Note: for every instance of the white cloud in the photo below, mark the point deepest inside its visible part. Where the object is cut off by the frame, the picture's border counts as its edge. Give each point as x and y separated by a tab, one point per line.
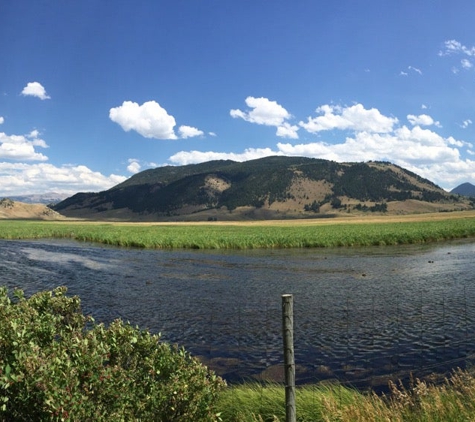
355	118
134	166
269	113
149	119
18	177
287	131
376	137
466	123
21	148
264	112
419	150
415	69
422	120
189	132
1	120
23	179
455	47
193	157
212	134
35	89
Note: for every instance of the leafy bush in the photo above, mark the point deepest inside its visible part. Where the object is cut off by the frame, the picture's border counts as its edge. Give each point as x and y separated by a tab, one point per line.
57	364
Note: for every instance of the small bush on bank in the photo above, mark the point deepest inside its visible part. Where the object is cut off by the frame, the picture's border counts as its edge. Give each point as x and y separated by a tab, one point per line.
57	364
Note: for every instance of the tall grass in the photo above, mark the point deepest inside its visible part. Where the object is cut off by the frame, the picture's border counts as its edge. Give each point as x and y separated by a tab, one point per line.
241	236
453	401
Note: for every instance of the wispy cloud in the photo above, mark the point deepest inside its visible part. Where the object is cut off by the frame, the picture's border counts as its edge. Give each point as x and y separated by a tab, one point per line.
466	123
456	47
415	69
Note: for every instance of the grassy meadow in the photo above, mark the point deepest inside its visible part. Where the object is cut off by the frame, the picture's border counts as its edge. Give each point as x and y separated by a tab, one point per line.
318	233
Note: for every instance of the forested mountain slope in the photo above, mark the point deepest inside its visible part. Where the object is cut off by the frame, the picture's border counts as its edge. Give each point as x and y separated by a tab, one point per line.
271	187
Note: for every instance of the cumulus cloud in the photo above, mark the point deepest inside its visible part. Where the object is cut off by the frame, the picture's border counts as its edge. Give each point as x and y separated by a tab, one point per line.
355	118
189	132
35	89
420	150
287	131
422	120
1	120
375	137
134	166
269	113
466	64
19	177
193	157
21	147
149	119
22	178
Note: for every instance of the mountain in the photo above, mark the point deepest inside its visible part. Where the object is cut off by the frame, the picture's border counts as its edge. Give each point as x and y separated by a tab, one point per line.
46	198
466	189
266	188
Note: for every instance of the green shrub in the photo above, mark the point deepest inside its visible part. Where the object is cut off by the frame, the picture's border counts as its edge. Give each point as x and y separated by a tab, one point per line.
57	364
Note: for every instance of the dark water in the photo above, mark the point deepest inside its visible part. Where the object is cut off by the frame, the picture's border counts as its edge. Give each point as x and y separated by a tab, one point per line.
360	315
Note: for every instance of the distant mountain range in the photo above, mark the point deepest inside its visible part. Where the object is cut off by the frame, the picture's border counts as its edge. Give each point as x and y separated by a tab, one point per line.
46	199
267	188
466	189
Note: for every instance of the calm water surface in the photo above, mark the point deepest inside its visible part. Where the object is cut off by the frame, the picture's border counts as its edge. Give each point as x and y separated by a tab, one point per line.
360	314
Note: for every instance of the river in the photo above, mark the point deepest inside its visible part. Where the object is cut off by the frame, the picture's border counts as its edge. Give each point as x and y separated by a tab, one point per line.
361	314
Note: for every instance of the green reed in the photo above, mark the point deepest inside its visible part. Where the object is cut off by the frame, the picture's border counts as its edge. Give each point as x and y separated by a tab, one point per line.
454	400
241	236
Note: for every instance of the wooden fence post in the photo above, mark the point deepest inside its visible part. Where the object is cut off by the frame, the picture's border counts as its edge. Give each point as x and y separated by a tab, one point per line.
289	360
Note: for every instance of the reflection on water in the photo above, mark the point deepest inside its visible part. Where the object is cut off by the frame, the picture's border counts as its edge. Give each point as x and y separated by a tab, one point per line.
360	314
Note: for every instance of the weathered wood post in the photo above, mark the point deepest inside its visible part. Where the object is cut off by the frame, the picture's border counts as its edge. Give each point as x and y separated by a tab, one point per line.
289	360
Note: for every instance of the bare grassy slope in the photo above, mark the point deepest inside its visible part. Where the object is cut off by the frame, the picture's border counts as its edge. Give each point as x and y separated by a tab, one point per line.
14	210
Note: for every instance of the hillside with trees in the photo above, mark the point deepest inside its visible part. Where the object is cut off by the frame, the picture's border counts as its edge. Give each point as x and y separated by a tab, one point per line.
266	188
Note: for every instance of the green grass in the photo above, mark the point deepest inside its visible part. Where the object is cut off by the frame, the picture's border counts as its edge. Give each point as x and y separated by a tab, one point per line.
243	236
422	402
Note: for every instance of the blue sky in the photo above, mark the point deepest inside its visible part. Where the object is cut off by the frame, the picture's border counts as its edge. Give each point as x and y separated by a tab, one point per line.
92	92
